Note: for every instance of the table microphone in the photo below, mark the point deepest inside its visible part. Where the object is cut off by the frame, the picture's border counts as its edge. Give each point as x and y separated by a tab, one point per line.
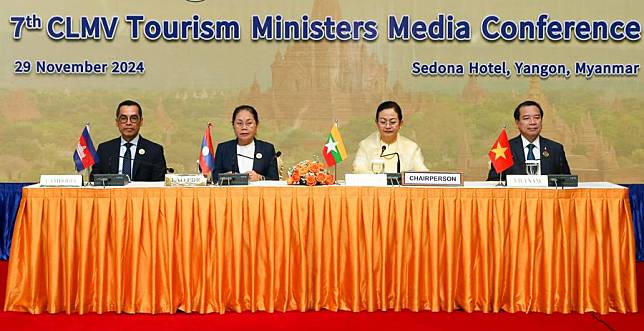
384	147
246	156
113	157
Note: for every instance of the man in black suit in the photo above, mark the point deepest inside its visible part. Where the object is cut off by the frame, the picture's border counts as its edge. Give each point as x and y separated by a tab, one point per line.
529	145
131	154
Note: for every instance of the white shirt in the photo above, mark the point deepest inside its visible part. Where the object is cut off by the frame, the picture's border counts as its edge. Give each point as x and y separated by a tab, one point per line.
245	162
134	142
370	148
536	150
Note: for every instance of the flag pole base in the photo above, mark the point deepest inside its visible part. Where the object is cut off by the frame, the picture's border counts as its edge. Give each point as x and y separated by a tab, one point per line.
335	174
501	182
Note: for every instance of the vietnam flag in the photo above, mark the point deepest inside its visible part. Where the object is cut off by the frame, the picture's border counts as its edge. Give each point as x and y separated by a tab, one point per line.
207	155
334	151
85	154
500	153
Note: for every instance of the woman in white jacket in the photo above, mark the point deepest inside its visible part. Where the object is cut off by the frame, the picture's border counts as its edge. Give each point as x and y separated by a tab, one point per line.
387	145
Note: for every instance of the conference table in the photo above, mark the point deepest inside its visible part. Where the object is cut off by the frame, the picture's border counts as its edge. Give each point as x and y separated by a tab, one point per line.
145	248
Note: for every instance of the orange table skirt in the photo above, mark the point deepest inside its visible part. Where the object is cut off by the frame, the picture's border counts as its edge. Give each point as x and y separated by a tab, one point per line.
159	250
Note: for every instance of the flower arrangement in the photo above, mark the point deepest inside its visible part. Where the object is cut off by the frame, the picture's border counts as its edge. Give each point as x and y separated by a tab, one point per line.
309	173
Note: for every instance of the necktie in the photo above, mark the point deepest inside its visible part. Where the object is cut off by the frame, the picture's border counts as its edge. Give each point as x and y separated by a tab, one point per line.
530	154
127	160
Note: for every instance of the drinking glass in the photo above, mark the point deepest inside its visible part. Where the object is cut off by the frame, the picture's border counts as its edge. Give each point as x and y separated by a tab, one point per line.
532	167
378	166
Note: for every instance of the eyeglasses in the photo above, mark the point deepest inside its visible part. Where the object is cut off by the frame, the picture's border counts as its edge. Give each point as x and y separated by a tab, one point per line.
134	119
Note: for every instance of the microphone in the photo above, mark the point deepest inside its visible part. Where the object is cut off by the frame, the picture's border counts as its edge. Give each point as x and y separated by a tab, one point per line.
277	154
555	180
114	157
246	156
391	154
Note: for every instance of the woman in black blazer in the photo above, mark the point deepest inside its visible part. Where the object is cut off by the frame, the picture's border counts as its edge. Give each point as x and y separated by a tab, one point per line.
245	154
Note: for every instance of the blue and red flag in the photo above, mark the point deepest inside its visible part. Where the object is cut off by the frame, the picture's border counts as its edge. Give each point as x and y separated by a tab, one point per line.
207	155
85	154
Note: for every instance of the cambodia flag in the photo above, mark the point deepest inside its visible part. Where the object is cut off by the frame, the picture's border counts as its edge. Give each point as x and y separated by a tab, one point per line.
85	154
500	153
207	156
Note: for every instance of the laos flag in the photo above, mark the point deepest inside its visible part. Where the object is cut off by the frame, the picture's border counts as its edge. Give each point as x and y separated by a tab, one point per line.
85	154
207	156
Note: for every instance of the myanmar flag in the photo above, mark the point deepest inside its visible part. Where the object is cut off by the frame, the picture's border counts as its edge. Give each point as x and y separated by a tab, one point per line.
334	151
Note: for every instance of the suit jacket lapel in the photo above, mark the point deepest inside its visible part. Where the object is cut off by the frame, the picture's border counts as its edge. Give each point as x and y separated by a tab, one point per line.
257	162
115	159
235	166
140	148
546	161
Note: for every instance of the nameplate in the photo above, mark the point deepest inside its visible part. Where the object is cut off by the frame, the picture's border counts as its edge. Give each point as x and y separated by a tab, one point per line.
527	180
414	178
365	179
185	180
61	180
228	179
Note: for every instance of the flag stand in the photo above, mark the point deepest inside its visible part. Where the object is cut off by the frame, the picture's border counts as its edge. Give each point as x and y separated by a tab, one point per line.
501	174
335	174
86	183
86	170
335	166
334	151
499	151
500	183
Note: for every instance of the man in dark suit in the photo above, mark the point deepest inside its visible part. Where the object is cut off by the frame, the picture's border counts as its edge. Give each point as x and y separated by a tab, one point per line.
130	154
529	145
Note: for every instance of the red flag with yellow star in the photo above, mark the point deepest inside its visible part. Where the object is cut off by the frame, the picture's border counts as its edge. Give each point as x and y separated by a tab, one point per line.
500	153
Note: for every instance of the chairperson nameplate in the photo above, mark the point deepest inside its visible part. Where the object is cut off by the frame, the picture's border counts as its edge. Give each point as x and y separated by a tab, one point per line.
419	178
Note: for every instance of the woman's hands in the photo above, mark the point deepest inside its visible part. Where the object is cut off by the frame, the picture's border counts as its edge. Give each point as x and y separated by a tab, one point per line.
253	176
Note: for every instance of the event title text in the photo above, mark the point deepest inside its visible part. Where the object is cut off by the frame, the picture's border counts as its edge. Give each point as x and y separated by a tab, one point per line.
445	27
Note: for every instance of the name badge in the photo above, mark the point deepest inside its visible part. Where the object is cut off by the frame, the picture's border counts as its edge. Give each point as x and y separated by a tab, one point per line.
432	179
61	180
527	180
185	180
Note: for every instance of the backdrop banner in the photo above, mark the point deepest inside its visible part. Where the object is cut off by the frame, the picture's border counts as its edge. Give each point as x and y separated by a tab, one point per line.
458	69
